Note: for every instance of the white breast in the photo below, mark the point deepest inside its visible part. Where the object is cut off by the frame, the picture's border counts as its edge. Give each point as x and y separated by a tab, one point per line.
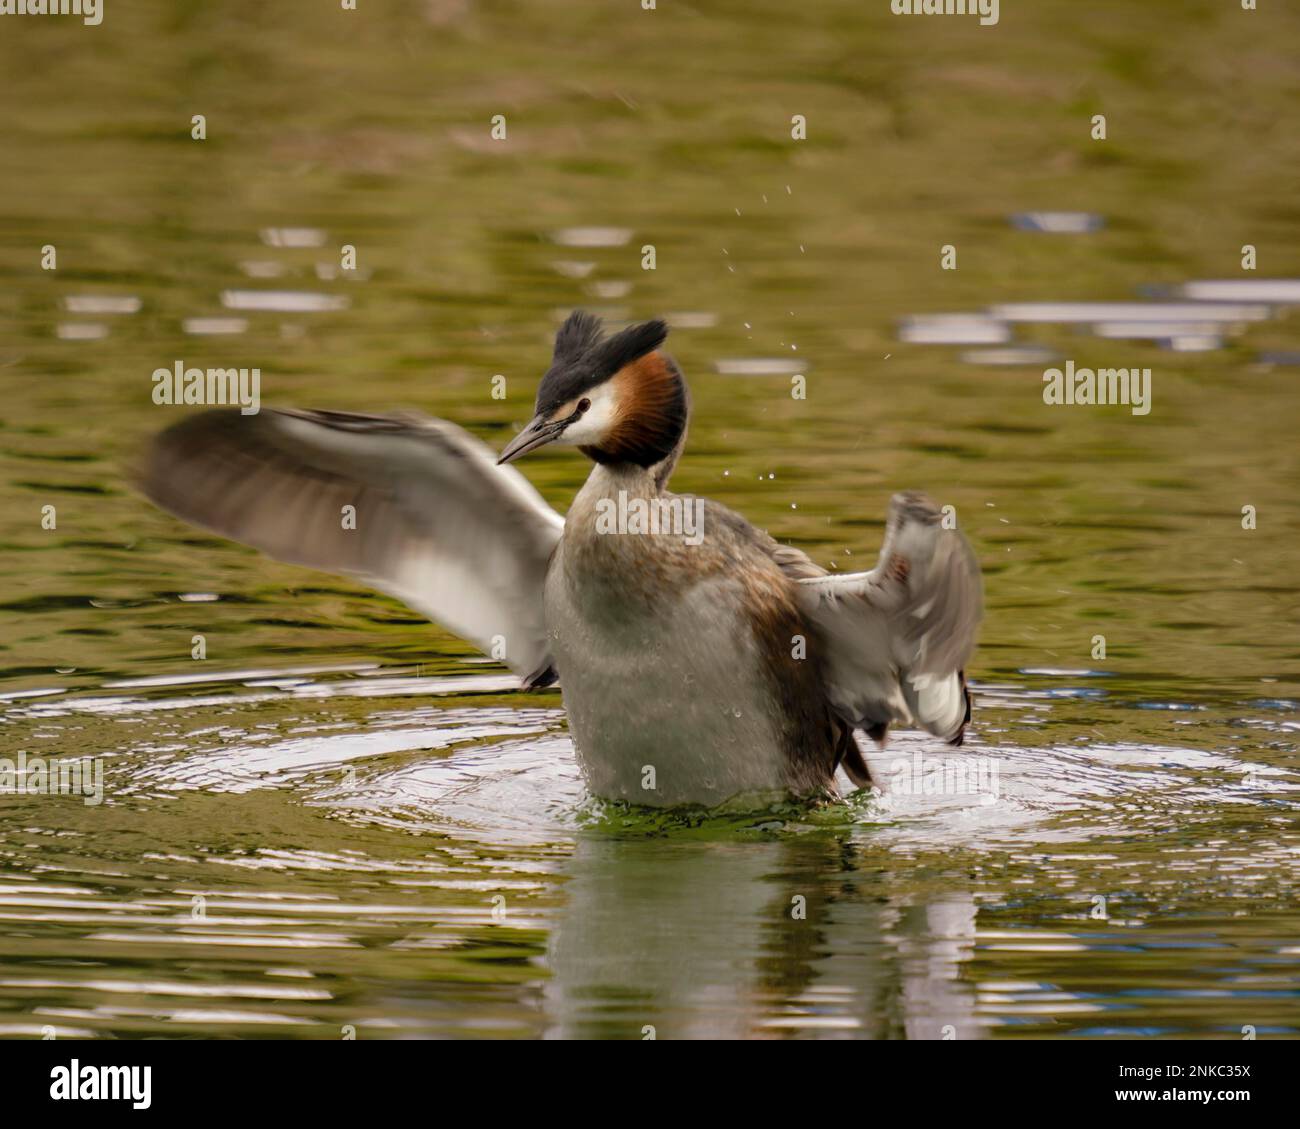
669	707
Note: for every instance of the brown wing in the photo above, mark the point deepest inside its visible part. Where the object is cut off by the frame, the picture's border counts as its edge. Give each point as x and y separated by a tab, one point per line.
432	519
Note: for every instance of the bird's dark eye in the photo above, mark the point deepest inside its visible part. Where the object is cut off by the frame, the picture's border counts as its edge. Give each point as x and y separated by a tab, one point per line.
583	405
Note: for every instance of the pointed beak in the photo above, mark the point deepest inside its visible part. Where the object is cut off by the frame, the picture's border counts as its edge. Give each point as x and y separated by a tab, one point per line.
537	434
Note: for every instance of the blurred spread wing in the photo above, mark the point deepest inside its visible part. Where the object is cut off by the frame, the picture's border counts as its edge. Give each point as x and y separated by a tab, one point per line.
437	523
898	638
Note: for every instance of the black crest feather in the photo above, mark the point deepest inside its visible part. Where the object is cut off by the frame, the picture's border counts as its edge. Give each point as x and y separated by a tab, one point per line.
583	358
577	335
627	346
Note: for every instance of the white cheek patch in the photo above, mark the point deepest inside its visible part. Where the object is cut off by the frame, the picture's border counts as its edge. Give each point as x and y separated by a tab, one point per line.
594	425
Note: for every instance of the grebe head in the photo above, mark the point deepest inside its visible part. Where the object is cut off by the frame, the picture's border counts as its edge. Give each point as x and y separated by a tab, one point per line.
618	399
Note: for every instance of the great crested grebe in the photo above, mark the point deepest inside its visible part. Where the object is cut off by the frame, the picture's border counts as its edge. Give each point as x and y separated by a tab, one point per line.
699	660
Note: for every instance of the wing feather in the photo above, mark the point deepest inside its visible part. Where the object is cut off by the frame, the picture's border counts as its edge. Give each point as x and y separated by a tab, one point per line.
898	638
437	523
